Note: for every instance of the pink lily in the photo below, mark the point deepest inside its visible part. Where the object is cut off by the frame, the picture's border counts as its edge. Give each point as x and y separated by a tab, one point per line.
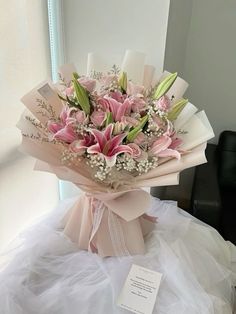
136	151
81	117
63	130
98	118
69	91
88	83
107	146
106	80
161	148
176	142
141	139
118	109
118	96
65	115
54	127
67	134
134	90
80	146
130	121
163	103
138	104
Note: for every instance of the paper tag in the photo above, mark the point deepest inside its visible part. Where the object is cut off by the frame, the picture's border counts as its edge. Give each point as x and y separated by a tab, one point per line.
140	290
46	91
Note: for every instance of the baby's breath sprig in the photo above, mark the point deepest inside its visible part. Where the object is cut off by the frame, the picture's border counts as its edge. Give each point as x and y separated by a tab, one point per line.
100	166
125	162
143	166
68	157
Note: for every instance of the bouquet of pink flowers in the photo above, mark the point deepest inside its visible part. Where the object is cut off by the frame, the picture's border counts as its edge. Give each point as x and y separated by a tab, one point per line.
111	137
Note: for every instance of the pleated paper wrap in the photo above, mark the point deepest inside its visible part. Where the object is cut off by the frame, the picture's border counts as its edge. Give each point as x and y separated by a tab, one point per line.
111	220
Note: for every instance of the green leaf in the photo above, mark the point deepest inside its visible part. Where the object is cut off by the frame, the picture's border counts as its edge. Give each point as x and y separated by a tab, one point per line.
176	109
133	133
165	85
123	81
70	102
81	95
76	75
109	118
62	98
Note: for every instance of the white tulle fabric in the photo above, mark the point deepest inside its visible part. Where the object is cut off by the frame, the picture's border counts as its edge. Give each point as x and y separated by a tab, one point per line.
48	275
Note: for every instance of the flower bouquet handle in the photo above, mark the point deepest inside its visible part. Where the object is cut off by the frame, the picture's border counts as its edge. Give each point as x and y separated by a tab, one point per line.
112	136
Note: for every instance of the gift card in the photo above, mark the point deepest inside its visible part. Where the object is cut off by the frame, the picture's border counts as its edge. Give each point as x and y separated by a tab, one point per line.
140	290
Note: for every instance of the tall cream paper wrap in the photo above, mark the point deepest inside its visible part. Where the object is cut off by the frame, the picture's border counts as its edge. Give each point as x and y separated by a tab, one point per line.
110	220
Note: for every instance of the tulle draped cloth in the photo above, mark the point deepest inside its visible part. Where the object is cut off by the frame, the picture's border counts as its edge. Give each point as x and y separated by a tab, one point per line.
47	273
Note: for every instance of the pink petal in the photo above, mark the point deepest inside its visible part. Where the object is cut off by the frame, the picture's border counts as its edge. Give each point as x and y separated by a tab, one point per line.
114	106
66	134
80	116
163	103
134	89
110	160
54	127
115	141
122	110
140	138
63	115
69	91
99	137
94	149
122	149
108	131
78	146
129	121
98	118
87	83
117	96
169	153
169	129
104	104
176	143
136	151
161	144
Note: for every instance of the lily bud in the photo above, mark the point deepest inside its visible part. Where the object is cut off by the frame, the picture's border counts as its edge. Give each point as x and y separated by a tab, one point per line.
134	133
81	95
123	81
165	85
109	118
176	109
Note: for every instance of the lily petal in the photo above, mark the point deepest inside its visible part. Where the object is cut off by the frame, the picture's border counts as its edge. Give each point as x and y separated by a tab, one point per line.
122	149
176	143
108	132
161	144
110	160
99	137
170	153
67	134
123	108
116	140
94	149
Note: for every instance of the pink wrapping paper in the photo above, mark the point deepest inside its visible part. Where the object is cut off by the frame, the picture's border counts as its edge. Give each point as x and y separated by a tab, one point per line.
110	220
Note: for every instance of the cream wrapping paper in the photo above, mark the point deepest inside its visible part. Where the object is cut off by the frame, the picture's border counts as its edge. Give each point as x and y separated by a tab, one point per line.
110	220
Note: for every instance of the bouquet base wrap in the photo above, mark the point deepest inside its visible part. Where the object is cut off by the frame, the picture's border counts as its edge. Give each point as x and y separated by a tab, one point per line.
110	224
